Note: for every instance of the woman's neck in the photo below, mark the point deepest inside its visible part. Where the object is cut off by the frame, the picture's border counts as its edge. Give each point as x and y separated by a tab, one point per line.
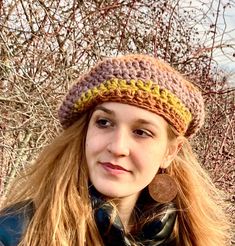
125	206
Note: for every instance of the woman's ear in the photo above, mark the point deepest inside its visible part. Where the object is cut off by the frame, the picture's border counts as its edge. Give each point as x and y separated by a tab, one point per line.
172	151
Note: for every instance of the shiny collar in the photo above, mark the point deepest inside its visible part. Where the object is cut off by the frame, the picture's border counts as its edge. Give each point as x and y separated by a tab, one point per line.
153	233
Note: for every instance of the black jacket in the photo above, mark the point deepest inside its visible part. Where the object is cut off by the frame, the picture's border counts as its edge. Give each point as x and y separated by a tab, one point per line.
15	219
13	222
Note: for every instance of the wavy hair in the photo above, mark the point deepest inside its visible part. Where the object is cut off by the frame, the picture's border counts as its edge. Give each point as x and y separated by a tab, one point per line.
57	183
201	206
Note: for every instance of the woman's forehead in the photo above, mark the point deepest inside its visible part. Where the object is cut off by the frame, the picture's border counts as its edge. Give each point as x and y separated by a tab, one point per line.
130	112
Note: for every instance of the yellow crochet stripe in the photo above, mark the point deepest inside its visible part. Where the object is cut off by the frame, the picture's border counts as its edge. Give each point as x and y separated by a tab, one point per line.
164	95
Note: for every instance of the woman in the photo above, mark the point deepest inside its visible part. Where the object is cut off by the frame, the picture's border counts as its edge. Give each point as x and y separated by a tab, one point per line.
122	172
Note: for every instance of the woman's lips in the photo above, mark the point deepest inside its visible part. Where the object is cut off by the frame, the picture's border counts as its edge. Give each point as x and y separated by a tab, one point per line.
115	169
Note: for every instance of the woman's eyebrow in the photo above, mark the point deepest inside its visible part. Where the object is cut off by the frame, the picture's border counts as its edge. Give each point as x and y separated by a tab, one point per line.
102	108
147	122
138	121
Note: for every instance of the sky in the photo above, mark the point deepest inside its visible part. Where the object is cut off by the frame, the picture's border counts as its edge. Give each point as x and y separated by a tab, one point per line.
225	25
228	61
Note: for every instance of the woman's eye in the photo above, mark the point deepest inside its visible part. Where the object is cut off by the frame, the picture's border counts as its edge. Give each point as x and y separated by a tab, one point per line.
103	123
143	133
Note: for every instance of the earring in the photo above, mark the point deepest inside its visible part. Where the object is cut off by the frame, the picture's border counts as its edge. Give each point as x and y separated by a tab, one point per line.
163	188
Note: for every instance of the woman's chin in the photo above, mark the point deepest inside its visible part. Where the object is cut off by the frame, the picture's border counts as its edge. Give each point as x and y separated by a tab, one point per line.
111	193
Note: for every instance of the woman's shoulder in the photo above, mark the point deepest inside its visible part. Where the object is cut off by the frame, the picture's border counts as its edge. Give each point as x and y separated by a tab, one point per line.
14	221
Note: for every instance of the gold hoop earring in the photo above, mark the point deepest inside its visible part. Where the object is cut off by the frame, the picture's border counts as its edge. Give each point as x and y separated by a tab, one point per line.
163	188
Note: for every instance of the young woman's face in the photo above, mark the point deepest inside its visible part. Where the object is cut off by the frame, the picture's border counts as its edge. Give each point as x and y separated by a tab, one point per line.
125	146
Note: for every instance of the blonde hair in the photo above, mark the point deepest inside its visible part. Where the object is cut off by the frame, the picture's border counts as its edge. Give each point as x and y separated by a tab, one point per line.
58	185
201	206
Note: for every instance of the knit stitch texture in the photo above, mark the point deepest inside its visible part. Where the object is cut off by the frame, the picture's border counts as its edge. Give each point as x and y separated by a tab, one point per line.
138	80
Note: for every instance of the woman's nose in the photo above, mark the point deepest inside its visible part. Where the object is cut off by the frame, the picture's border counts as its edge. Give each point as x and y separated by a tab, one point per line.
119	144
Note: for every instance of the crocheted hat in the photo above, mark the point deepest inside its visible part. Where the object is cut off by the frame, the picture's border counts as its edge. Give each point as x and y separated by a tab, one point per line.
138	80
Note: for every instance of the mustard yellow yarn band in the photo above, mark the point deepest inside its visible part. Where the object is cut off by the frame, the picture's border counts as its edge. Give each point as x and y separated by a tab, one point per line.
142	81
163	97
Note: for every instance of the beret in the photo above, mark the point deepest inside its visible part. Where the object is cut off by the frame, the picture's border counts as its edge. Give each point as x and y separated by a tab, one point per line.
138	80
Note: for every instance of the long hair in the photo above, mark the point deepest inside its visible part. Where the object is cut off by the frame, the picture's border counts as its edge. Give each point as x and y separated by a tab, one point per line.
201	218
201	206
58	185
